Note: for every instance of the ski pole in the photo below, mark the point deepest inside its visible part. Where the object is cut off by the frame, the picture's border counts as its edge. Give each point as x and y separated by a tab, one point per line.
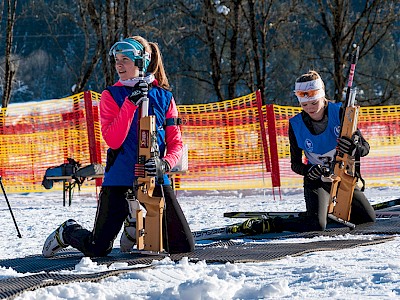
9	207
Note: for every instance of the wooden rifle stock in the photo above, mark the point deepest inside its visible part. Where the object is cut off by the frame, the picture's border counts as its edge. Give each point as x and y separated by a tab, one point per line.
344	177
149	236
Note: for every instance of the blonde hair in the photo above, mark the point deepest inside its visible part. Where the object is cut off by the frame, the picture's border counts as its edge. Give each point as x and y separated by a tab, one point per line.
156	66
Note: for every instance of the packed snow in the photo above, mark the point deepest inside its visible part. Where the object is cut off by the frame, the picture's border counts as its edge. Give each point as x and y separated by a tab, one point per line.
367	272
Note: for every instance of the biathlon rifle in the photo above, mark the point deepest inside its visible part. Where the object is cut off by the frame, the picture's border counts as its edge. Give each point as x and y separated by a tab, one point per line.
149	236
345	166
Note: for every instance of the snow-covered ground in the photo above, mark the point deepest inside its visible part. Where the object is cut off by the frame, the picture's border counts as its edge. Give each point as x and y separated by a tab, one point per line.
368	272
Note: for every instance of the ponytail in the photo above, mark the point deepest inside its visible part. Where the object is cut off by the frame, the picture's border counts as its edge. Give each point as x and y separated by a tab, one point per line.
156	66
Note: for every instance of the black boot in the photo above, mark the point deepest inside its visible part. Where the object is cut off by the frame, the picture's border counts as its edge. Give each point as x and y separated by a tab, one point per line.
257	226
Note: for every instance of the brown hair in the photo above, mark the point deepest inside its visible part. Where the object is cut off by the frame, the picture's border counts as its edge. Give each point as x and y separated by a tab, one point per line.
156	66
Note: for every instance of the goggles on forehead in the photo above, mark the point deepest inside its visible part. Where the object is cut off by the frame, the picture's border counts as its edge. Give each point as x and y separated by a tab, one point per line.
129	50
311	95
309	90
306	94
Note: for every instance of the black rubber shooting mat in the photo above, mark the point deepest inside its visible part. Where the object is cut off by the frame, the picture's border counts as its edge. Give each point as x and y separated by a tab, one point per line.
389	226
218	252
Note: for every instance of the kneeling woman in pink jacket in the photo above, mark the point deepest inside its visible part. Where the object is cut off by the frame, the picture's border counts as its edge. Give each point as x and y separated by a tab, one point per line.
119	110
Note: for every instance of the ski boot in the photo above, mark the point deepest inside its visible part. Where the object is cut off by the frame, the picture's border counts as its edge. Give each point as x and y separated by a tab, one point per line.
256	226
128	236
55	241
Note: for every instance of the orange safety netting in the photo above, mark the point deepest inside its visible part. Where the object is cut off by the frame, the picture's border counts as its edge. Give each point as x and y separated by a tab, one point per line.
225	145
39	135
233	144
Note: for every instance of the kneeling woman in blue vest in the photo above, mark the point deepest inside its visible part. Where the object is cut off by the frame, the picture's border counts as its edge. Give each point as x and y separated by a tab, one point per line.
315	132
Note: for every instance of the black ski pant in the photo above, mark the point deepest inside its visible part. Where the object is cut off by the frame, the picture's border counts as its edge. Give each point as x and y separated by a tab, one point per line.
316	196
112	210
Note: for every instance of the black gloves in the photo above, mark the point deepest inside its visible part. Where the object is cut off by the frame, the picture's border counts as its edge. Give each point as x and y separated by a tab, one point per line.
138	92
157	167
347	145
315	172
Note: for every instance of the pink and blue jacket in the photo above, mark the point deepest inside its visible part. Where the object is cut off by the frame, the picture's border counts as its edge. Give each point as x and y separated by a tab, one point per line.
119	126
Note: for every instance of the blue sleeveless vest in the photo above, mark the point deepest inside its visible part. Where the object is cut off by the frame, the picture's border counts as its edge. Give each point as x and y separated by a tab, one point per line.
319	149
122	171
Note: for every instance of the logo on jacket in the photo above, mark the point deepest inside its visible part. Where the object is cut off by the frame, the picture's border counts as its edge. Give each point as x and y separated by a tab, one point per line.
308	145
337	130
136	93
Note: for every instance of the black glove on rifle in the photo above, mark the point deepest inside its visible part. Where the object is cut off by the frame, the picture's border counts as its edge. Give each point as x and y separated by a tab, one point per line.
157	167
315	172
347	145
139	91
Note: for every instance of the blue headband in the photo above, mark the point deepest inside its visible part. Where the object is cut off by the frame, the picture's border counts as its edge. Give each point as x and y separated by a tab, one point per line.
132	49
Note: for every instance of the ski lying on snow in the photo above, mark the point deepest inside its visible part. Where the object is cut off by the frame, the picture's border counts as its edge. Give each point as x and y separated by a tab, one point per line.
261	214
220	232
255	214
387	214
386	204
266	214
233	231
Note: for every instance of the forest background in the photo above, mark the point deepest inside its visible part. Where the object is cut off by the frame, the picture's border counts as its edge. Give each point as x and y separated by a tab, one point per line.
213	50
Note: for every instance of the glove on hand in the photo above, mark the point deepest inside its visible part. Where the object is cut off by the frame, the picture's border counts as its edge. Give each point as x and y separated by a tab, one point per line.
315	172
347	146
139	91
157	167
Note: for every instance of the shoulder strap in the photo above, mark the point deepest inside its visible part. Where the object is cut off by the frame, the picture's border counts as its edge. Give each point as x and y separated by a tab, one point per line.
172	121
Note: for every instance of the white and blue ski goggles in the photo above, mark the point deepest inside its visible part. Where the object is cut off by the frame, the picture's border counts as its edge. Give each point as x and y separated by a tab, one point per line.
132	49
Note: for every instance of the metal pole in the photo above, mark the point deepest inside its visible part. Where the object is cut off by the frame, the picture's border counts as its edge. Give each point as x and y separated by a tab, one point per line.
9	207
